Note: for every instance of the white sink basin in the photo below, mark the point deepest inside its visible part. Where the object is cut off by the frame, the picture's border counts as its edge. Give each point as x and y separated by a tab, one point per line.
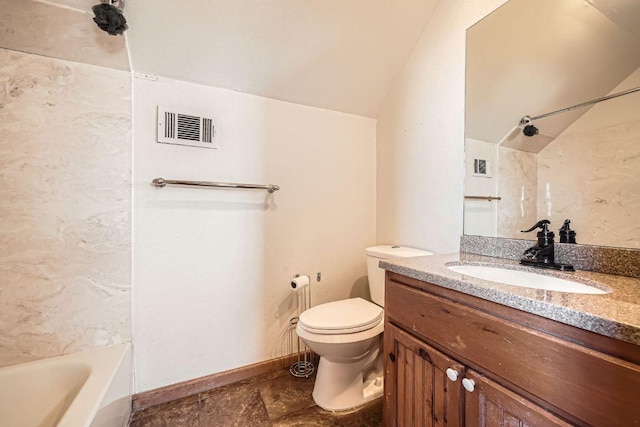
525	279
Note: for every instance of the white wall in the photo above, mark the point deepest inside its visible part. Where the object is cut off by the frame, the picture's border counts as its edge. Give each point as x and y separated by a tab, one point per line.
421	136
212	267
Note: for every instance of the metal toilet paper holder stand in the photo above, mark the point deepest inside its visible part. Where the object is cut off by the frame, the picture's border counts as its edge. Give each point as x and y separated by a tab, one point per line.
303	367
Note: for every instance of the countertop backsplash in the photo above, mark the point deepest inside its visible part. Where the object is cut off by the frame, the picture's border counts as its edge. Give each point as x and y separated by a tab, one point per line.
601	259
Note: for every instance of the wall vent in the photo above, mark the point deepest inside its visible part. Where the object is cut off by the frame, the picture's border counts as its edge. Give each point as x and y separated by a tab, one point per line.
194	130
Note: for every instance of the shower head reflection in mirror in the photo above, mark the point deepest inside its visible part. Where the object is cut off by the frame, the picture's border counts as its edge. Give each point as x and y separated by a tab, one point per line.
531	130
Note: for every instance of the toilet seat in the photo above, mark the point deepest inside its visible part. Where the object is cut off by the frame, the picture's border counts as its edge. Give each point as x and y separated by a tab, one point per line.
342	317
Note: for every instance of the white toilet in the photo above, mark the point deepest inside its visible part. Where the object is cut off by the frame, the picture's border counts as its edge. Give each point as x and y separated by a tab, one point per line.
347	335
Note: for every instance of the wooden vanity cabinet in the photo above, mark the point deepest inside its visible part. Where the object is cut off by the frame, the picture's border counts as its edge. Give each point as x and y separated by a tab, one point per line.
416	374
490	404
419	392
523	370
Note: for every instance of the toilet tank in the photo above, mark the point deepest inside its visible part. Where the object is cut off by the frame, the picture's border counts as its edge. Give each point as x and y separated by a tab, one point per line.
376	274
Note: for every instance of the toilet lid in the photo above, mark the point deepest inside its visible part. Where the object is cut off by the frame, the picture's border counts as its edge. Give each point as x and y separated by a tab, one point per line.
345	316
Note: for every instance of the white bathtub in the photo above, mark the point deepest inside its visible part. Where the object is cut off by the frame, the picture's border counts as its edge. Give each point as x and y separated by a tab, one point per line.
91	388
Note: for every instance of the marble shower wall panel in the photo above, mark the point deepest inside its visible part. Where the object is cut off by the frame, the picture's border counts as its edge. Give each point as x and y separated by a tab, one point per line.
60	32
517	185
601	195
65	207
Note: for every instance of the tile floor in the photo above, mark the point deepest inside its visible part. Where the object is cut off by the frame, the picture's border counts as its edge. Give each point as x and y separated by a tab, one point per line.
276	399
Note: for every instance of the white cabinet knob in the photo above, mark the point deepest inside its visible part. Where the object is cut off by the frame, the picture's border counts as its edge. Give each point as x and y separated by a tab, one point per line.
452	374
468	384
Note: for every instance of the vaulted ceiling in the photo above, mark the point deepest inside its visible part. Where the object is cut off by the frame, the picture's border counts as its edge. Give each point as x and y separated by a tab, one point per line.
334	54
341	55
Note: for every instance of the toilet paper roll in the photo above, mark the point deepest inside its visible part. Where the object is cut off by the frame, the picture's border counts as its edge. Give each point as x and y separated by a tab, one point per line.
299	283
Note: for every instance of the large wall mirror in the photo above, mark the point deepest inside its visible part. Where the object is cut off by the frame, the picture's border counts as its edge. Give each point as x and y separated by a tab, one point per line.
529	58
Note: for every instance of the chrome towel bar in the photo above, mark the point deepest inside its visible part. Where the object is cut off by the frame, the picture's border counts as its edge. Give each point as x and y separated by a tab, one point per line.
161	182
488	198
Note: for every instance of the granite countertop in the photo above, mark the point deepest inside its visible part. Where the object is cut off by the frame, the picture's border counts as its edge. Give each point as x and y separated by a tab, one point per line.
616	314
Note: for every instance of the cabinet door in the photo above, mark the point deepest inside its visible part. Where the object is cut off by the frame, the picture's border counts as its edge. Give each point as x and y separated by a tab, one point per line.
491	405
418	392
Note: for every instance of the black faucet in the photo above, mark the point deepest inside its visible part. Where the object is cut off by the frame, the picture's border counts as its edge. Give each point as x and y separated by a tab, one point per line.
542	254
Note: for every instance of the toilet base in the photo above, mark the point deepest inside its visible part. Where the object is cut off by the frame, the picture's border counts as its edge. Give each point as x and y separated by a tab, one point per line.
344	386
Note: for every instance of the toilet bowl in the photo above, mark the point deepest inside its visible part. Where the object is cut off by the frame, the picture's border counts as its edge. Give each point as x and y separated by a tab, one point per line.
347	335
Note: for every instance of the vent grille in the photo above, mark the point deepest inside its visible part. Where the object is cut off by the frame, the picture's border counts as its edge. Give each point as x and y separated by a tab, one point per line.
185	129
169	125
188	127
207	130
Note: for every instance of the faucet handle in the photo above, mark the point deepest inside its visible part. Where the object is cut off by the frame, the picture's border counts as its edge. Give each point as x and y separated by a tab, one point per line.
567	235
544	224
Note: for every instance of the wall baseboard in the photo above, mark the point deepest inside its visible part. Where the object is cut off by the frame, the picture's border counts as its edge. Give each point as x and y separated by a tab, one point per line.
171	392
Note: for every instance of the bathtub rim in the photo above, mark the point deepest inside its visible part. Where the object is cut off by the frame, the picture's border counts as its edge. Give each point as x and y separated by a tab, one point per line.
104	364
90	398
